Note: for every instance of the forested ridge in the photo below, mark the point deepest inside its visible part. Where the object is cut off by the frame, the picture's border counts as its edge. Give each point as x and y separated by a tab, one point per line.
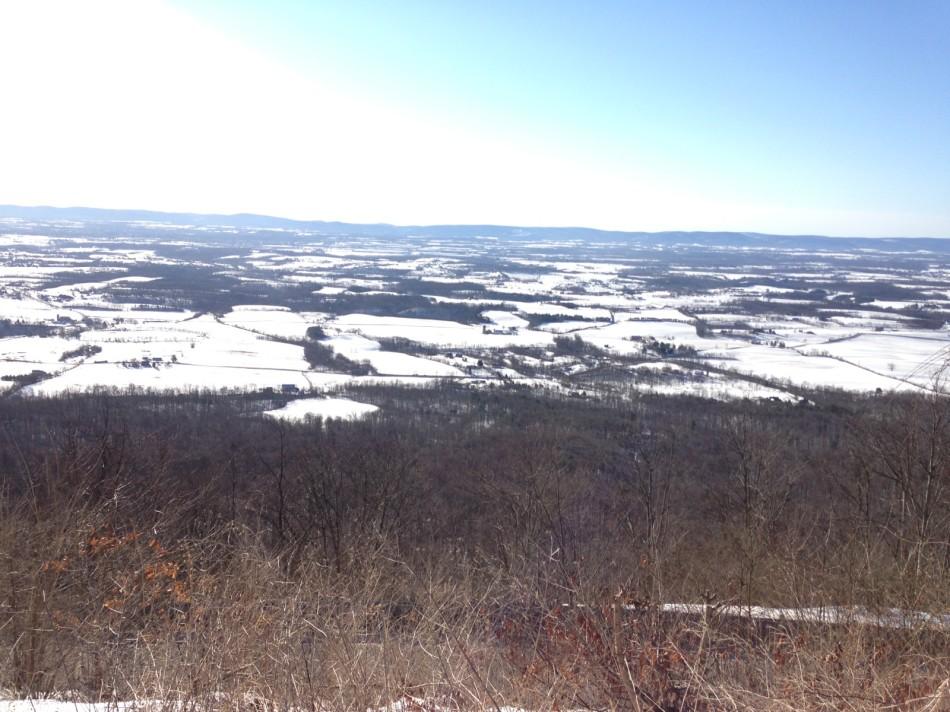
474	549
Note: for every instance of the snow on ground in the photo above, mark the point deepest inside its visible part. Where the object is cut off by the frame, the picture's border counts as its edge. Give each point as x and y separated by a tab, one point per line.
303	408
619	337
886	304
505	319
805	335
886	321
662	313
599	269
133	313
167	377
761	289
33	311
682	380
449	334
791	366
280	322
911	357
300	263
359	348
23	240
195	353
888	618
714	386
663	299
530	308
560	310
201	341
763	321
35	348
74	290
47	705
10	369
564	327
34	272
610	301
533	284
609	298
660	366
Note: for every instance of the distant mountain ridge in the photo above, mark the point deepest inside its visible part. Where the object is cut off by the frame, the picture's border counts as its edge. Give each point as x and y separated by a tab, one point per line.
249	221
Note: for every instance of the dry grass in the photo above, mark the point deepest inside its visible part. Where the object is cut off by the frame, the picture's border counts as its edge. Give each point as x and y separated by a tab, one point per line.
107	613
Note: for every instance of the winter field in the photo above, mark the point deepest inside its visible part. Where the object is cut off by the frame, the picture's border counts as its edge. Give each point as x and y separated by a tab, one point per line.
87	305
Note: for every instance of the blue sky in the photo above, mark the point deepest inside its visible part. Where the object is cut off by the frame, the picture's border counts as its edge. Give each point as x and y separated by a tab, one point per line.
820	117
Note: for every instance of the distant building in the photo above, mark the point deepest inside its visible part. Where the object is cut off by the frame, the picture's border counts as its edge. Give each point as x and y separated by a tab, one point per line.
496	329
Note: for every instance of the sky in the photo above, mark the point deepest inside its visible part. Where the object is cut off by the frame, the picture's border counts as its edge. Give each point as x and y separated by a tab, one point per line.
782	117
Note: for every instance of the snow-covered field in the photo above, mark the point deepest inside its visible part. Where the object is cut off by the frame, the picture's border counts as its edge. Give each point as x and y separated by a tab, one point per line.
303	408
359	348
172	308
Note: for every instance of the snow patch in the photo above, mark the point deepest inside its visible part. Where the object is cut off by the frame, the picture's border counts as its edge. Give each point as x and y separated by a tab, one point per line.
326	408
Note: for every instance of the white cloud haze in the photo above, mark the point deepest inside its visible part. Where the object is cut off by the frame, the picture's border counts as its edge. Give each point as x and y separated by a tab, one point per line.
135	104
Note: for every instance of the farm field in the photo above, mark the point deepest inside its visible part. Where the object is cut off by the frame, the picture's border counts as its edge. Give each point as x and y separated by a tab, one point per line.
307	308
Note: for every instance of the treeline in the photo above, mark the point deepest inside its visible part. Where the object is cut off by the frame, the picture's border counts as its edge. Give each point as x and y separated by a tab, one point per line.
186	543
208	288
10	327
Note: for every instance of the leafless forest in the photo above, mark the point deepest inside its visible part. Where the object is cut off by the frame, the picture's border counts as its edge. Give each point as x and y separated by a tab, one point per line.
477	549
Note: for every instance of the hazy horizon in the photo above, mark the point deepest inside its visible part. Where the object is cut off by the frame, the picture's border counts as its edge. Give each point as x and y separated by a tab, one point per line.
468	225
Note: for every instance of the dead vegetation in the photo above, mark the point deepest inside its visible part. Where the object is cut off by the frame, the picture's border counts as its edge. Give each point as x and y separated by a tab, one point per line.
177	553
